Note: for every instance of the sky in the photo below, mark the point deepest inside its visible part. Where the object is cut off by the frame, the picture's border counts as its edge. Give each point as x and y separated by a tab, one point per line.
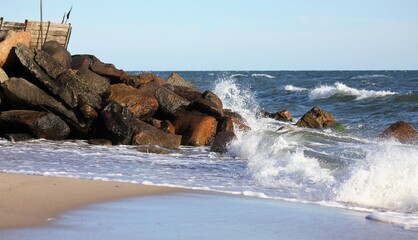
176	35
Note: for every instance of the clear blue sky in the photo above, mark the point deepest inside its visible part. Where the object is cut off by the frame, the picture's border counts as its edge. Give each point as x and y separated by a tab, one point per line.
237	35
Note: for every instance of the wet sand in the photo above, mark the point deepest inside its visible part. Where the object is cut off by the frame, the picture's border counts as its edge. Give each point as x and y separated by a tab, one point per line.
36	200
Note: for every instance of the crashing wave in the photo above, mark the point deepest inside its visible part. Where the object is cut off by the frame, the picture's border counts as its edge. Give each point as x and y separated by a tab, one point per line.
262	75
327	91
292	88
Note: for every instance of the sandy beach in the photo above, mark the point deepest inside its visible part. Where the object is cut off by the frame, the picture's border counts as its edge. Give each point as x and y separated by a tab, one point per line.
34	200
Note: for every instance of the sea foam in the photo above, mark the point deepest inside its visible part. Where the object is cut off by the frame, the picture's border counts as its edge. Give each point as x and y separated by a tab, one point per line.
262	75
292	88
386	179
327	91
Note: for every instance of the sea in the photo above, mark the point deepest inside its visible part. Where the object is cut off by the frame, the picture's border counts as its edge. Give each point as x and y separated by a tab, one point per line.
348	168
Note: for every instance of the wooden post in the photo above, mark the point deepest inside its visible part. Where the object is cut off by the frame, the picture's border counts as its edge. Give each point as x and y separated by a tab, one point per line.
42	34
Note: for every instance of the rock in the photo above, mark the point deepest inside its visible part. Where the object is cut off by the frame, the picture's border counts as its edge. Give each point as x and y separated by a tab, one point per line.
94	82
206	106
212	97
40	124
196	128
187	93
284	116
149	135
119	122
265	114
402	131
100	142
12	40
65	84
19	137
176	80
58	52
141	104
143	78
221	141
238	121
3	76
88	112
226	124
23	94
316	118
168	102
164	125
107	70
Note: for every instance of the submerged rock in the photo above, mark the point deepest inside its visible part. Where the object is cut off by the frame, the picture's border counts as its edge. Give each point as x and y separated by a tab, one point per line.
317	118
147	134
402	131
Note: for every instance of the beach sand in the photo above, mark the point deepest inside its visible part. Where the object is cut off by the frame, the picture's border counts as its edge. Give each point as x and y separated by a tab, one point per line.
27	200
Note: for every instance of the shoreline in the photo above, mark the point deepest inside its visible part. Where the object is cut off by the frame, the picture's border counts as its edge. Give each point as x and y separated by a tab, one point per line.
28	200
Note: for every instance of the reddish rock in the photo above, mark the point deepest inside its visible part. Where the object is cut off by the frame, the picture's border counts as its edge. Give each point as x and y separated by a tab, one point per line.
143	78
238	121
88	112
196	128
176	80
40	124
168	102
317	118
402	131
226	124
221	141
141	104
284	116
58	52
164	125
11	40
149	135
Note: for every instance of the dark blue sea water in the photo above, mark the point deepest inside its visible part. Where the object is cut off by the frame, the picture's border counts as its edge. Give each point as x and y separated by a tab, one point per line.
350	169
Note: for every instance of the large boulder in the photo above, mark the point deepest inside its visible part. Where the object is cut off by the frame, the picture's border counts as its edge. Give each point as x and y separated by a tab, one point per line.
136	80
119	123
402	131
149	135
103	69
168	102
208	107
238	121
39	124
196	128
317	118
187	93
94	82
58	52
221	141
212	97
176	80
23	94
11	40
142	105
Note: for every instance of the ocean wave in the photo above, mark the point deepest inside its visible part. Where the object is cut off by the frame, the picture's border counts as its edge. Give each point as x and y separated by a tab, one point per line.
292	88
385	179
262	75
238	75
327	91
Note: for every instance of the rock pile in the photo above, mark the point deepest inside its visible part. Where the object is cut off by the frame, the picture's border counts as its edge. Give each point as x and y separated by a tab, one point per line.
50	94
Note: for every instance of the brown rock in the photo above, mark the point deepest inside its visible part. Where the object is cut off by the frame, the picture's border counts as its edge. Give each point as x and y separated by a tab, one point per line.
238	121
164	125
226	125
143	78
149	135
317	118
221	141
208	107
79	62
196	128
58	52
176	80
402	131
88	112
40	124
284	116
212	97
168	102
12	39
141	104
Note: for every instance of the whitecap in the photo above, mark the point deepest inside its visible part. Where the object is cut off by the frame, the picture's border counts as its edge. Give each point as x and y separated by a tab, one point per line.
292	88
327	91
262	75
